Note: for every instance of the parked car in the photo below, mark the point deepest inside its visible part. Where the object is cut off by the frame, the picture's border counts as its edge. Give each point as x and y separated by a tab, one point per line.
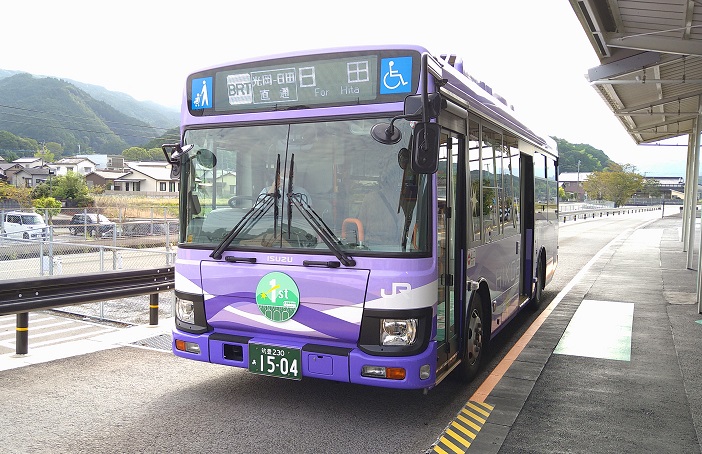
18	224
96	225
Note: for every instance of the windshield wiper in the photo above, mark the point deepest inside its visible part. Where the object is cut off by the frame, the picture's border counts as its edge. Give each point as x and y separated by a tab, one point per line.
276	196
314	220
263	203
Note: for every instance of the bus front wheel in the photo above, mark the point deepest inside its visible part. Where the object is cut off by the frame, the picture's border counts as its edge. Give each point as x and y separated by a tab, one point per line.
475	342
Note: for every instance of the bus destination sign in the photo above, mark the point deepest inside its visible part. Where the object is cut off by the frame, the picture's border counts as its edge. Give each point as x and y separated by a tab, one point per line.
331	81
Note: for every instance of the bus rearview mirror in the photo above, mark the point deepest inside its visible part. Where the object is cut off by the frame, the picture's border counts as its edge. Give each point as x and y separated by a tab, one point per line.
425	148
414	105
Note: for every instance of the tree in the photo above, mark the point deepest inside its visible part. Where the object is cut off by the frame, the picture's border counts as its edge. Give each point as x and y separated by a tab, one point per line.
616	183
55	148
9	141
652	187
50	204
11	156
72	187
591	159
136	154
155	154
20	195
46	155
142	154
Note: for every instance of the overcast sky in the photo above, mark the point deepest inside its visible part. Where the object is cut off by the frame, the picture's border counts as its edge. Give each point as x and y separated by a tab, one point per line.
535	54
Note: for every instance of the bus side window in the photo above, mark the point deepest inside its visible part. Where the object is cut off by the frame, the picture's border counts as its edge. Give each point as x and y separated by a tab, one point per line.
474	190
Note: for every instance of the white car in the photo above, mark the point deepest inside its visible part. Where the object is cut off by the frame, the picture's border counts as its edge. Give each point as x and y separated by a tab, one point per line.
17	224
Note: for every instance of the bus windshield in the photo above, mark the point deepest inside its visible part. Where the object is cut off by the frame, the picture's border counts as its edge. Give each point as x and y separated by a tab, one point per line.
297	186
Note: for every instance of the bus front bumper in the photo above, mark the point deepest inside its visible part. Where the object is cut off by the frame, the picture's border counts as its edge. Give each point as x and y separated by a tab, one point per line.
327	362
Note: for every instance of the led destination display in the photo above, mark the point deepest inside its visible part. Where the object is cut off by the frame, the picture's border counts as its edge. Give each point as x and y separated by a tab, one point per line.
341	80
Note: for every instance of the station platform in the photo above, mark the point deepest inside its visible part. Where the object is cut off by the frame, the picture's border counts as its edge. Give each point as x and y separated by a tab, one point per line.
615	365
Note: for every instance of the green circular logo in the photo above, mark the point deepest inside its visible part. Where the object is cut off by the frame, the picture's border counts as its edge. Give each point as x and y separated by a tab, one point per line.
277	297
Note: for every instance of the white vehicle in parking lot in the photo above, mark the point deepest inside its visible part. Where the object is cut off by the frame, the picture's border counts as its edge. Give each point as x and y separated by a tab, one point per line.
17	224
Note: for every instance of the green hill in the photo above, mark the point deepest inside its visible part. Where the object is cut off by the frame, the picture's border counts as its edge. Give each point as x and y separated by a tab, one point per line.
591	159
51	110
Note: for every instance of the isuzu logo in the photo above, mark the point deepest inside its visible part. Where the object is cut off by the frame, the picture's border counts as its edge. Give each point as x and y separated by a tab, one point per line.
279	259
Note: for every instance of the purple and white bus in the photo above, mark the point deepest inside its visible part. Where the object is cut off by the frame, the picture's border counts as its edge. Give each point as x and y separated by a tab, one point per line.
369	215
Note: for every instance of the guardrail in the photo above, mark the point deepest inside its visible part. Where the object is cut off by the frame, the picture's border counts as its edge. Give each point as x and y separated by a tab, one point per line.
21	296
604	212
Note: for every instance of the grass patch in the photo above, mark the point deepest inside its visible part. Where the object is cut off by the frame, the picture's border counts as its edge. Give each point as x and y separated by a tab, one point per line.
123	207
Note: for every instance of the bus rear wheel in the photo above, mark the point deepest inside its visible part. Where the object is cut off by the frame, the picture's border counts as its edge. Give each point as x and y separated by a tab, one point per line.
475	342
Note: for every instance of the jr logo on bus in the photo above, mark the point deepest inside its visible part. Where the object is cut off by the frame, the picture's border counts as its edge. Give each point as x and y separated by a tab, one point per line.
277	297
395	75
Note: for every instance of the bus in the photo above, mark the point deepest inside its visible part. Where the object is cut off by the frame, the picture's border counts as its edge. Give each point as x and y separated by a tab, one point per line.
369	215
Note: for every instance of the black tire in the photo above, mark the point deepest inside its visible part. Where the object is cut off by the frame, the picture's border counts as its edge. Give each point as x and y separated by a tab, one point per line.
73	231
475	343
538	296
25	236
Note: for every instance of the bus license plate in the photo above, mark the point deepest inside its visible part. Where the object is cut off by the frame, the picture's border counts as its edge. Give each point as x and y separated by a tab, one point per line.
275	361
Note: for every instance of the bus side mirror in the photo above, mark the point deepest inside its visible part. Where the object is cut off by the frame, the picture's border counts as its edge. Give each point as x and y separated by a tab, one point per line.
414	105
174	156
425	148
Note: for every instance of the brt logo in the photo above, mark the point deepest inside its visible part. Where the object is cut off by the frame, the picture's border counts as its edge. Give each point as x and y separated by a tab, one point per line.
277	297
240	89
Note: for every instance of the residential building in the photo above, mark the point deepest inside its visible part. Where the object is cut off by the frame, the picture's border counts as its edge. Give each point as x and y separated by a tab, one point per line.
116	162
111	180
7	169
82	166
28	177
151	177
572	182
100	160
29	162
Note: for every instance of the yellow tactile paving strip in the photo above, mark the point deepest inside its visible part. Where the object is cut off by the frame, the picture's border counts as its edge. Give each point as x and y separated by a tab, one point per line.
461	432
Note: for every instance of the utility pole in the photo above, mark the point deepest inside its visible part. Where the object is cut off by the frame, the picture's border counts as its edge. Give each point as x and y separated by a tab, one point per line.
578	180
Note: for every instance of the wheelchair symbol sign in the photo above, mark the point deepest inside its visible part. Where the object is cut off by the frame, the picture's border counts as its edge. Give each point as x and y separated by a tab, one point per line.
396	75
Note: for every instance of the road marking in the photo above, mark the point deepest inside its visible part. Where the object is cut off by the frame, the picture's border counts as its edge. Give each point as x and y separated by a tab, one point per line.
494	378
599	329
53	330
13	321
461	432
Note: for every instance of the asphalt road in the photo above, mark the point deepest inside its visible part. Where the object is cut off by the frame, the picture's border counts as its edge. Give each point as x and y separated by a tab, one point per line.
130	399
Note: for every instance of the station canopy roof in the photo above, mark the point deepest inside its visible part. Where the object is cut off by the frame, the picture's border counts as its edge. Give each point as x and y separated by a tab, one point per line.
650	72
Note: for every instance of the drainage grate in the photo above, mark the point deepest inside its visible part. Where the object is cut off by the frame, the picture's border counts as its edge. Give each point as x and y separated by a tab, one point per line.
160	342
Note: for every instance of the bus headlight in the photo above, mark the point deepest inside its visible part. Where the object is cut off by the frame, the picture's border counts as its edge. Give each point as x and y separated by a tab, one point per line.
185	310
398	331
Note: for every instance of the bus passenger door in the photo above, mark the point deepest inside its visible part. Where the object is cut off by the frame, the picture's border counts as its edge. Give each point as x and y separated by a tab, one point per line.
447	251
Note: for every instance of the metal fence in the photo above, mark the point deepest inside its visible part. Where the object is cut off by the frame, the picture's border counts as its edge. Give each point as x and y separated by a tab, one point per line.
52	256
136	238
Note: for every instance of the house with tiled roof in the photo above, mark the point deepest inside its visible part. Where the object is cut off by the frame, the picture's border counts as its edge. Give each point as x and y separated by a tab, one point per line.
82	166
153	178
29	162
28	177
111	180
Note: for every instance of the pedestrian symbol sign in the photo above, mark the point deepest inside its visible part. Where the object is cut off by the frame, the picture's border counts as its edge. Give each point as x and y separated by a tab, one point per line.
201	93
